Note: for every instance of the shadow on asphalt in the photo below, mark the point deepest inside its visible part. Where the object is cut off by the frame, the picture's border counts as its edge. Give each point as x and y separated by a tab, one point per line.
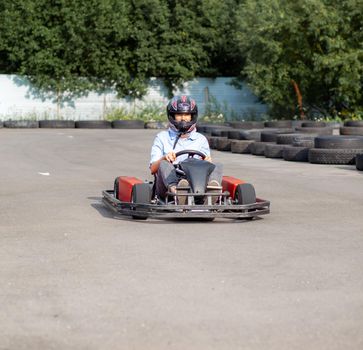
106	213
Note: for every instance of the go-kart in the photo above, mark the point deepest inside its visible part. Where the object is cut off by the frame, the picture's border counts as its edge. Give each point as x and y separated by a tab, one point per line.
235	199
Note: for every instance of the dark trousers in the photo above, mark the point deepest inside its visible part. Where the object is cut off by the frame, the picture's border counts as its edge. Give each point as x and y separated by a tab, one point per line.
167	176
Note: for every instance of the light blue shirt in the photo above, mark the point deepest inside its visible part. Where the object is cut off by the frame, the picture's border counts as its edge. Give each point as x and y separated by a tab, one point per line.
164	142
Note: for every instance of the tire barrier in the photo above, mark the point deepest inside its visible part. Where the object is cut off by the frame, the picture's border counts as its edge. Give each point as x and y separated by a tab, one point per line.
57	124
354	123
320	131
275	150
93	124
333	156
351	130
128	124
279	124
296	154
158	125
359	161
247	125
32	124
241	146
339	141
223	144
244	135
258	148
313	124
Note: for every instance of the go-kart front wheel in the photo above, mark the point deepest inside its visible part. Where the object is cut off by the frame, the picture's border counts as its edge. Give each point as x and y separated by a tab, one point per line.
141	194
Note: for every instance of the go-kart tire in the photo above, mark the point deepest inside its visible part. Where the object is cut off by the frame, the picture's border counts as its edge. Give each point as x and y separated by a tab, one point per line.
351	130
128	124
274	150
296	154
278	124
141	194
57	124
93	124
312	124
116	188
245	194
355	123
333	156
339	141
223	144
359	161
258	148
241	146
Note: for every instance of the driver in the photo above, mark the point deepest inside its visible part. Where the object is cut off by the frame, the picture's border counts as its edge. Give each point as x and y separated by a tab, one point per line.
182	112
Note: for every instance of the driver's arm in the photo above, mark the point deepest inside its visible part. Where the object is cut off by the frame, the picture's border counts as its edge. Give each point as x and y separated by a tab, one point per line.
170	157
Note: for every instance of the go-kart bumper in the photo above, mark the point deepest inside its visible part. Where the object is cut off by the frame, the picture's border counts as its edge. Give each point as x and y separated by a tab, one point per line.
174	211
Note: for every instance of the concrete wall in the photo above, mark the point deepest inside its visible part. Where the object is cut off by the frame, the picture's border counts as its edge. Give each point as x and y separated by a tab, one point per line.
19	101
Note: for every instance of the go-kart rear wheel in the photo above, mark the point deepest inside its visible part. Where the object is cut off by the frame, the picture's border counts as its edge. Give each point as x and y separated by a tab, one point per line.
141	194
116	188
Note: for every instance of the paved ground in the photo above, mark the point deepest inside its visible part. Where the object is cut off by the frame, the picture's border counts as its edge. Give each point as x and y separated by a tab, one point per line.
75	277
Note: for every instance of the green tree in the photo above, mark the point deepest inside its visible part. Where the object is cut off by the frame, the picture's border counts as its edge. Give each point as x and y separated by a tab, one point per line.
315	43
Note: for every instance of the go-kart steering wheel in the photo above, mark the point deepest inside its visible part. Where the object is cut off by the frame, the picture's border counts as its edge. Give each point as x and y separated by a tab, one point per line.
191	153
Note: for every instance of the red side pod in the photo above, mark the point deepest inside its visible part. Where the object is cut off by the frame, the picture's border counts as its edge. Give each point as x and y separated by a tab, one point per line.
230	184
125	184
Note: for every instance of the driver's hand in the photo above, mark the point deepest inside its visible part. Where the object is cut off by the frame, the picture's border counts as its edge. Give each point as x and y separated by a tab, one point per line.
170	157
208	159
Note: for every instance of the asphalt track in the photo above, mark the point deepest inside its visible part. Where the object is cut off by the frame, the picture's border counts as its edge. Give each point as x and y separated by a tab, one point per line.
73	276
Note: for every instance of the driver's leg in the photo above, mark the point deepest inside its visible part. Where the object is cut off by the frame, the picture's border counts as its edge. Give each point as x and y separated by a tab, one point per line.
166	177
215	180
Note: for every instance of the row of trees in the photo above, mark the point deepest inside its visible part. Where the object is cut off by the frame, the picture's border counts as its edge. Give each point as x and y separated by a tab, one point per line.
69	47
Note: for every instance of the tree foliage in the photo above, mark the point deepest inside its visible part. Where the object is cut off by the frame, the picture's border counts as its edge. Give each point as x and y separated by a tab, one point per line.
316	43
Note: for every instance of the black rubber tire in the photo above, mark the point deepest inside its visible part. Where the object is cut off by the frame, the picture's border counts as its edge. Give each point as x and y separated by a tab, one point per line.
241	146
258	148
271	136
359	161
93	124
339	141
355	123
244	135
22	124
312	124
278	124
245	194
274	150
141	194
218	132
333	156
156	125
116	187
209	128
319	131
57	124
351	130
223	144
304	143
213	141
128	124
247	125
288	139
1	124
296	154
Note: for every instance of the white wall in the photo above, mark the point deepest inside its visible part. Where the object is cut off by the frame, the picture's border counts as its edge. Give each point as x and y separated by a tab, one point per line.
18	101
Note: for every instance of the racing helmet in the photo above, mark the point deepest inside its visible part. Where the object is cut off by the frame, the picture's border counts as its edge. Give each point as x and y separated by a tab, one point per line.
182	105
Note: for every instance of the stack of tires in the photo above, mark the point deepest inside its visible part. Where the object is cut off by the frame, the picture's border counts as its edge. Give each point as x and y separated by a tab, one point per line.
352	127
299	150
336	149
315	127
